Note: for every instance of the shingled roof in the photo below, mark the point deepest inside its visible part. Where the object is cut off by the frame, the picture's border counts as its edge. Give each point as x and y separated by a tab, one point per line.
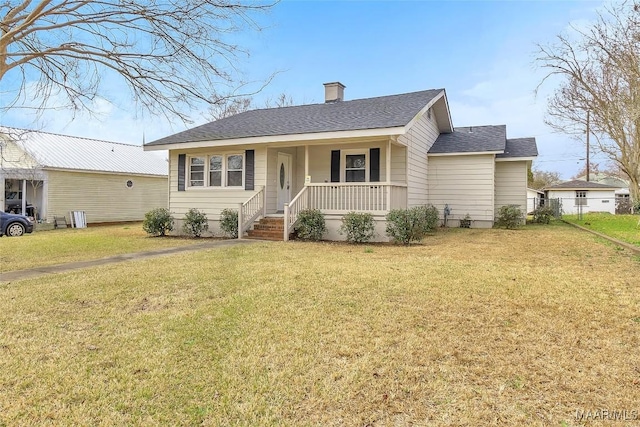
370	113
579	184
519	147
472	139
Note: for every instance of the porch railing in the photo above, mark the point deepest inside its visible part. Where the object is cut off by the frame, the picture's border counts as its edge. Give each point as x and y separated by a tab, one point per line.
249	211
340	198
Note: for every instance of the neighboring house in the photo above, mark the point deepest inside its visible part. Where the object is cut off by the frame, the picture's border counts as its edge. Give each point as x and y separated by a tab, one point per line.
47	175
579	196
621	184
366	155
534	199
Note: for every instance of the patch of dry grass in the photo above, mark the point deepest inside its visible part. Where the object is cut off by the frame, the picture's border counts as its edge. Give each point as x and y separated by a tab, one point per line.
78	244
475	327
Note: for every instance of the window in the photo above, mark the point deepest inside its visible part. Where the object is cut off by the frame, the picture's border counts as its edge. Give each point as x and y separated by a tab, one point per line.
234	170
581	198
356	164
196	172
216	170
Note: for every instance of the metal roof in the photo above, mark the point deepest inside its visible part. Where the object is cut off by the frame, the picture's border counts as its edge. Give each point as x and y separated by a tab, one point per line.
69	152
359	114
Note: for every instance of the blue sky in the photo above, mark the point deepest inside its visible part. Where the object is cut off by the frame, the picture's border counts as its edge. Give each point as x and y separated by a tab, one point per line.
481	52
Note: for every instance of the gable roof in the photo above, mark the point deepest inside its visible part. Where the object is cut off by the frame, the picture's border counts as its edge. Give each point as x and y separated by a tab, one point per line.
360	114
578	184
519	147
68	152
471	139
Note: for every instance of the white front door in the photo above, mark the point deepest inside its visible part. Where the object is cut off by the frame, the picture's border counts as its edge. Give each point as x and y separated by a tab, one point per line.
283	180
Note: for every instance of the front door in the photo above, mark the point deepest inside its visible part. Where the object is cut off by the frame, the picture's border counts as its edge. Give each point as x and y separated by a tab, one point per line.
283	180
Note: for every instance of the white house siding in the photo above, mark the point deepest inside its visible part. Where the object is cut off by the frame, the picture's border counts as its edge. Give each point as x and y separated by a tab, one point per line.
104	197
212	200
511	184
419	140
398	164
597	201
466	184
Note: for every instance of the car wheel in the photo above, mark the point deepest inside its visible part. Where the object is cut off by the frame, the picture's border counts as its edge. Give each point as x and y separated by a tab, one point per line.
16	229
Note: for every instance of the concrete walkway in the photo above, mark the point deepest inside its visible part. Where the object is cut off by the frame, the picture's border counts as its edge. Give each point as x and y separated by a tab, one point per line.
62	268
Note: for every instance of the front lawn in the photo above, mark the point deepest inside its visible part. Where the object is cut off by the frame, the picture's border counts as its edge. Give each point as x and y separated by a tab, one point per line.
474	327
621	227
44	248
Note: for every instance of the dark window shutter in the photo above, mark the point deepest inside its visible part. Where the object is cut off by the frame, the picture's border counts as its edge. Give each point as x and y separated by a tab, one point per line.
249	174
182	161
335	165
374	165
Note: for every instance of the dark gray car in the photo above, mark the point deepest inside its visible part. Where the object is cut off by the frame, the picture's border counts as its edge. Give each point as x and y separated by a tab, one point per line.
14	225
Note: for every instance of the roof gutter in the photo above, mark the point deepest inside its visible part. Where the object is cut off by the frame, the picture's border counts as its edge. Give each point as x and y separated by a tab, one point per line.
361	133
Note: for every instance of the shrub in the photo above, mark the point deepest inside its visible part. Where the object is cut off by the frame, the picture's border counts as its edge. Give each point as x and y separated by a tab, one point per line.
466	221
358	227
411	225
158	222
310	224
195	223
636	207
543	215
229	223
509	216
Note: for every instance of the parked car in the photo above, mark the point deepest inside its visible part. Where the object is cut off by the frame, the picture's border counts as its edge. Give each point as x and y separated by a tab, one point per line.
14	225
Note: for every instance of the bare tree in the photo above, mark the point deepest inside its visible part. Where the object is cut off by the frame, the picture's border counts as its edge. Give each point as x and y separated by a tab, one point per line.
599	70
542	179
235	105
172	55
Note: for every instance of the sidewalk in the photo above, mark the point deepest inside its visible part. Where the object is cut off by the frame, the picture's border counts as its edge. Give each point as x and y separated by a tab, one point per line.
62	268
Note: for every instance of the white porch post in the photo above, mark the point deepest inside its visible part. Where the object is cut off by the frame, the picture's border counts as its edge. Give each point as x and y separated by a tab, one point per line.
44	200
24	197
388	174
306	162
286	222
240	221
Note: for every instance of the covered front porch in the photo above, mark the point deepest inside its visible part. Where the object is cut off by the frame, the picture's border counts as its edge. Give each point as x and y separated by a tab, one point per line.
366	176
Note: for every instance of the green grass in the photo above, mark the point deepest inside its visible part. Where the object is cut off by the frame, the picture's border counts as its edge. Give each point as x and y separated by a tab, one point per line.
474	327
78	244
622	227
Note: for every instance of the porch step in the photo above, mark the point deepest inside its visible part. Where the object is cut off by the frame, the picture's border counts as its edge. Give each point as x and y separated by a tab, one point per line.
268	229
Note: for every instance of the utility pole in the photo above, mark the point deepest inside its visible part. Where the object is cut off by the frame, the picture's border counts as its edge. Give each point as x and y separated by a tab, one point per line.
588	166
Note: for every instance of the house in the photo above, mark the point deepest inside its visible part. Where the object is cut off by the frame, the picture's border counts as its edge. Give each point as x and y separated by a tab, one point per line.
47	175
579	196
367	155
534	199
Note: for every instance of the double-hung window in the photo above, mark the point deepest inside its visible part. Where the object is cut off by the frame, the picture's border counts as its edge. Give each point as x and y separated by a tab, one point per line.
355	166
216	170
581	198
196	172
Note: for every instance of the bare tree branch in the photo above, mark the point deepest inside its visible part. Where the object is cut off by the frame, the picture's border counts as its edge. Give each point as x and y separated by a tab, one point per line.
173	55
600	71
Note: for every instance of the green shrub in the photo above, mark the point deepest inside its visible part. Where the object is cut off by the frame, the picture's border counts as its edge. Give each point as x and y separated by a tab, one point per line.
229	223
195	223
509	216
158	222
358	227
636	207
543	214
466	221
411	225
310	224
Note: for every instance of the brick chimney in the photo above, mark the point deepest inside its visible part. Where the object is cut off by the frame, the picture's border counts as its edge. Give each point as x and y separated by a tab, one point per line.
333	92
